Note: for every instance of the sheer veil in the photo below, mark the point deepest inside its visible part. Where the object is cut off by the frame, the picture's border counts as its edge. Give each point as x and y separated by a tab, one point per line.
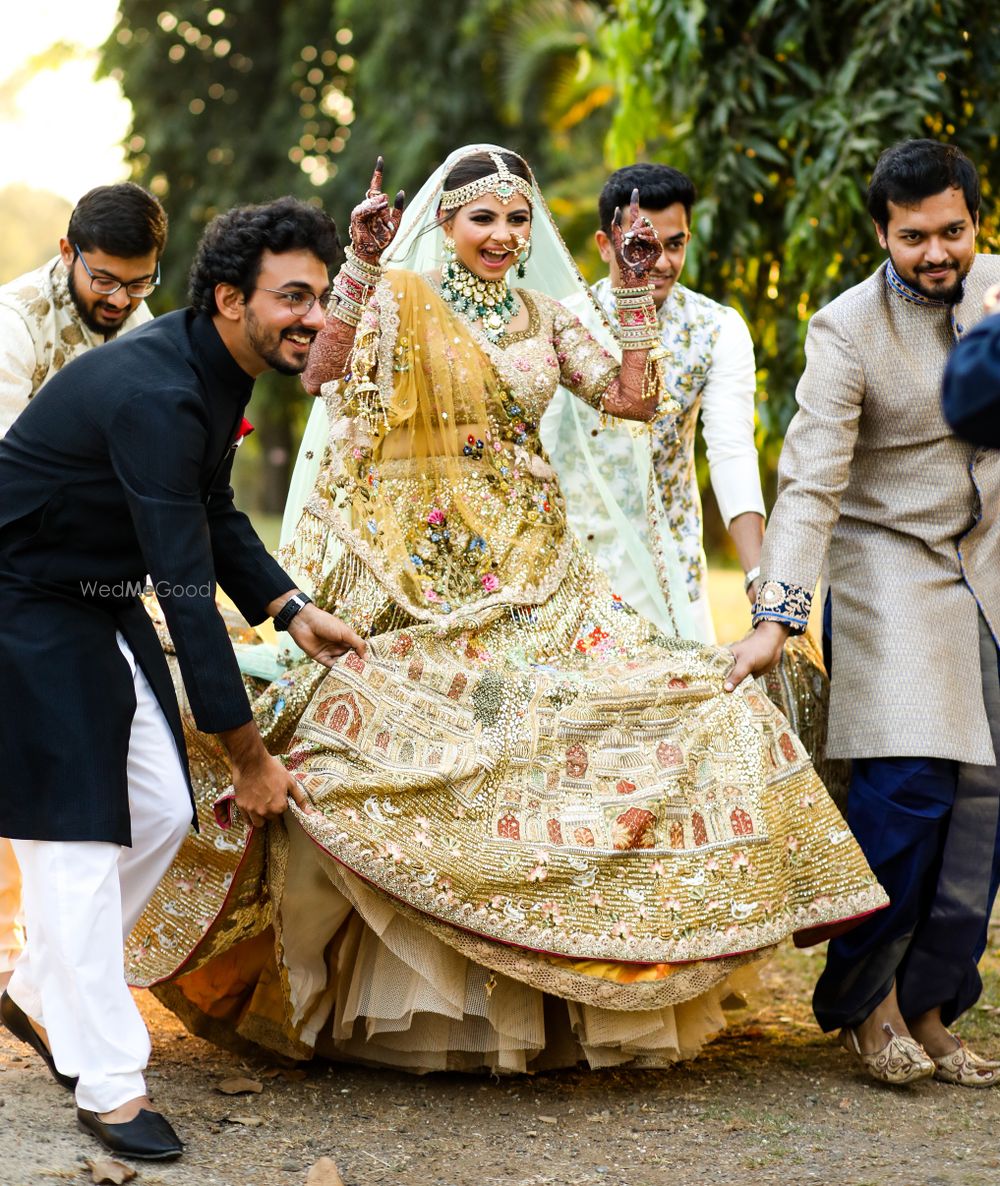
419	247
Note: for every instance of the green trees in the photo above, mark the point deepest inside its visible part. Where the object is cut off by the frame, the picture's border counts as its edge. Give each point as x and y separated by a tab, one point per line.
236	101
778	109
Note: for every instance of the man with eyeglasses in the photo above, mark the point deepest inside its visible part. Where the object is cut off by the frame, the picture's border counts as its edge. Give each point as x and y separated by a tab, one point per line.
93	290
121	467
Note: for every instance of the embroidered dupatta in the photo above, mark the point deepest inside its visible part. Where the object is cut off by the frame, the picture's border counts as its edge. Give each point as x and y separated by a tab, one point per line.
434	476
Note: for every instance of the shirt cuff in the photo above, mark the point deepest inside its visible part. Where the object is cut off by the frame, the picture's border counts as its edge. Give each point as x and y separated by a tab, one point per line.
781	601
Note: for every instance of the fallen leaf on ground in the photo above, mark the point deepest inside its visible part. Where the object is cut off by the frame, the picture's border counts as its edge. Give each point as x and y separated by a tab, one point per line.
546	1120
324	1173
240	1086
246	1121
295	1075
106	1169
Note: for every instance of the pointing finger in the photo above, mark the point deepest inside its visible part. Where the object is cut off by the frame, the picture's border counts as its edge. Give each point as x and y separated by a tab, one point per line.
633	207
376	181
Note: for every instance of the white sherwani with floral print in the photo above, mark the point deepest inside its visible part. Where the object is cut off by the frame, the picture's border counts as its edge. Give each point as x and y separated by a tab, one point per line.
41	331
709	369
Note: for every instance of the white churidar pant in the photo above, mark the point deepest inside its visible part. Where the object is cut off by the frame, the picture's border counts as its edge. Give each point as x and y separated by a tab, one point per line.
81	899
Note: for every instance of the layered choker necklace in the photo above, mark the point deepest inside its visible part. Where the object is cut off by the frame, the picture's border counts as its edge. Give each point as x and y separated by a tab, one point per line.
490	302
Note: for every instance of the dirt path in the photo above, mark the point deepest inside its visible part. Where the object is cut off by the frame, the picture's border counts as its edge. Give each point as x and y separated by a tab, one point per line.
772	1101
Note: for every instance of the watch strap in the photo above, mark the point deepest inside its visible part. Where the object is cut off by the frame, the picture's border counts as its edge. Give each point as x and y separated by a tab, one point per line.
297	601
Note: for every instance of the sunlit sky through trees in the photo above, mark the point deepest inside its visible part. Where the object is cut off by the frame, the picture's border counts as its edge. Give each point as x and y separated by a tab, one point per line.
60	129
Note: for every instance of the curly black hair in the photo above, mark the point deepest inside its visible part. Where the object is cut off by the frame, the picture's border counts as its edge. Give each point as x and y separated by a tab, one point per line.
233	243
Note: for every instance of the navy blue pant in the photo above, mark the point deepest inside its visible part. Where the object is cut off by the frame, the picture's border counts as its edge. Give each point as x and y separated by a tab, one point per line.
929	829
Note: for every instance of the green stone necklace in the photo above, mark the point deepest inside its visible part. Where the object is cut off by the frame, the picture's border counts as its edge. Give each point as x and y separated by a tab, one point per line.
489	302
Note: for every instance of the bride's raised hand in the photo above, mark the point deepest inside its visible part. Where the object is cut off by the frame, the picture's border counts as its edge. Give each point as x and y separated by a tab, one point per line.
636	249
374	222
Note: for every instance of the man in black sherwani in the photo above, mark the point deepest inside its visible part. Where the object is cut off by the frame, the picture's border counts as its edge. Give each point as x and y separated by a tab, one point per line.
121	467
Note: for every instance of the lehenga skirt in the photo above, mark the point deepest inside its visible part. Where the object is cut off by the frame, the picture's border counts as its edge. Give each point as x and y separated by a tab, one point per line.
542	836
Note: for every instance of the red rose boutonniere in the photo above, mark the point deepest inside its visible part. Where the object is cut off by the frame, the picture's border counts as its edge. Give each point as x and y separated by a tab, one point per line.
244	430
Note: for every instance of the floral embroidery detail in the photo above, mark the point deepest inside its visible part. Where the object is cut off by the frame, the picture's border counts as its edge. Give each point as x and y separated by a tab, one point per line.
43	302
741	862
690	324
780	601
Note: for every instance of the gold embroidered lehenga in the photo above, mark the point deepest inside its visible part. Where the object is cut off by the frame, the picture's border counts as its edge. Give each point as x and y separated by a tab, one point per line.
544	834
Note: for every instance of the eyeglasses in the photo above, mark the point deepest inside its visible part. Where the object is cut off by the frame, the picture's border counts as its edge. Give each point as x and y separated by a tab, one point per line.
299	303
108	285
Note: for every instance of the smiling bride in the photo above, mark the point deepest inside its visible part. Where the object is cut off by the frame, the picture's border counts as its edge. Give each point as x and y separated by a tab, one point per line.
542	833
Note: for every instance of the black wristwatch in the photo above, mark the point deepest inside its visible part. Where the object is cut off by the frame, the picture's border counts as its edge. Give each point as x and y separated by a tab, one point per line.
283	618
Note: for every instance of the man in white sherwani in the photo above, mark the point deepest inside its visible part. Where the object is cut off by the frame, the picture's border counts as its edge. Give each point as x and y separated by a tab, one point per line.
872	478
89	293
632	495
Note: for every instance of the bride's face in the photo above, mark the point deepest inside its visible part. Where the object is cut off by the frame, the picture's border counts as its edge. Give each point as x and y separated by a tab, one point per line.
488	235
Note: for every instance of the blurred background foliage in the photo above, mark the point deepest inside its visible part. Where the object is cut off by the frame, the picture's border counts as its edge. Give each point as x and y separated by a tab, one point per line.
776	108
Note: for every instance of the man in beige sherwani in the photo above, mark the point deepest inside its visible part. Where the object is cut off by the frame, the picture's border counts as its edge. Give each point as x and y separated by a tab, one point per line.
86	295
908	517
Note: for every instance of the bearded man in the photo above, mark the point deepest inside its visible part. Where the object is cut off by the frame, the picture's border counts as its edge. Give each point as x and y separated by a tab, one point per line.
92	291
119	468
907	512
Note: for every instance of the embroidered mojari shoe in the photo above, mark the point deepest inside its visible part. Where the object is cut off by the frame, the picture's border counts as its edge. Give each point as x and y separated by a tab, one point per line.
966	1069
900	1061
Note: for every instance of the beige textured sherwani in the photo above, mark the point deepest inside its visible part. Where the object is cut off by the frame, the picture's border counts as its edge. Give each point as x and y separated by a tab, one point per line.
871	477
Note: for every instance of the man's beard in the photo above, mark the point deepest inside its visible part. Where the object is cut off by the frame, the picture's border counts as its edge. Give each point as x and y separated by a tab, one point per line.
268	345
947	296
89	315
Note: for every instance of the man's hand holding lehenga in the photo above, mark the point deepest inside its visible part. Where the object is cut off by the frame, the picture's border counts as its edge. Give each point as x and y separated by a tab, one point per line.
262	787
374	224
757	654
324	637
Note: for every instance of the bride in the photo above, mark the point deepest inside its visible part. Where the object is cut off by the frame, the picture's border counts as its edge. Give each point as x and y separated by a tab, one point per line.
541	831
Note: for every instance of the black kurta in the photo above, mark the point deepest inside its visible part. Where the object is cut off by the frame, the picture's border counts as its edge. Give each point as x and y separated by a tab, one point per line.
119	467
